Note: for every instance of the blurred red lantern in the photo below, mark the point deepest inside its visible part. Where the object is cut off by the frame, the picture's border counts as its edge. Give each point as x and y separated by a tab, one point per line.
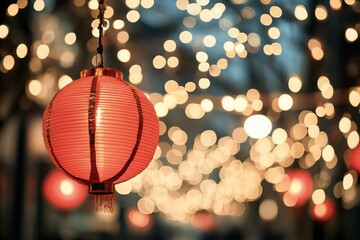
324	211
203	221
138	220
62	192
100	130
299	188
354	159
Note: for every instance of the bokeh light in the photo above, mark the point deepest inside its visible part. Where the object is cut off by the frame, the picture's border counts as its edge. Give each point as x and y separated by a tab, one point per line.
257	126
268	209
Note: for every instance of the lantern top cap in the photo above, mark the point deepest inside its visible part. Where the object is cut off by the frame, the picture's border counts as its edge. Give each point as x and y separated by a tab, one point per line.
100	71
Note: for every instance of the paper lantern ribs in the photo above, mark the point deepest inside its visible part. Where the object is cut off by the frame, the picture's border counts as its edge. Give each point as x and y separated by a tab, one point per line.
100	130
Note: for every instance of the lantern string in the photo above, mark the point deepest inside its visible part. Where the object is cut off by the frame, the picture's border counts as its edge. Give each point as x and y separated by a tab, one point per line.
100	49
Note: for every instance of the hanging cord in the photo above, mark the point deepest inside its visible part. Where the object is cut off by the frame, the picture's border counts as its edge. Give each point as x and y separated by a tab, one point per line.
100	49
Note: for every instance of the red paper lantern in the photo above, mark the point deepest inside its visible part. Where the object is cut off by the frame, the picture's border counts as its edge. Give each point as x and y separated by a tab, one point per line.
62	192
354	159
299	188
324	211
100	130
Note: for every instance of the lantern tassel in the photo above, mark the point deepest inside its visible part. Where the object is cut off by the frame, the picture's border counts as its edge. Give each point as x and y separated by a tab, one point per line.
102	203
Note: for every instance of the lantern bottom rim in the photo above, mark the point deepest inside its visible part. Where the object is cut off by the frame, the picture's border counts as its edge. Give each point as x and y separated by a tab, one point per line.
101	188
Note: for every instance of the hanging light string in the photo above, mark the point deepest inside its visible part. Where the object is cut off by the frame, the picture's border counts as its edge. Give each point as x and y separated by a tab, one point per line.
100	49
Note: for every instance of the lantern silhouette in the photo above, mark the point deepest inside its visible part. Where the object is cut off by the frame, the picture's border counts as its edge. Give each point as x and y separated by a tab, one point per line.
62	192
100	130
324	211
299	187
354	159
